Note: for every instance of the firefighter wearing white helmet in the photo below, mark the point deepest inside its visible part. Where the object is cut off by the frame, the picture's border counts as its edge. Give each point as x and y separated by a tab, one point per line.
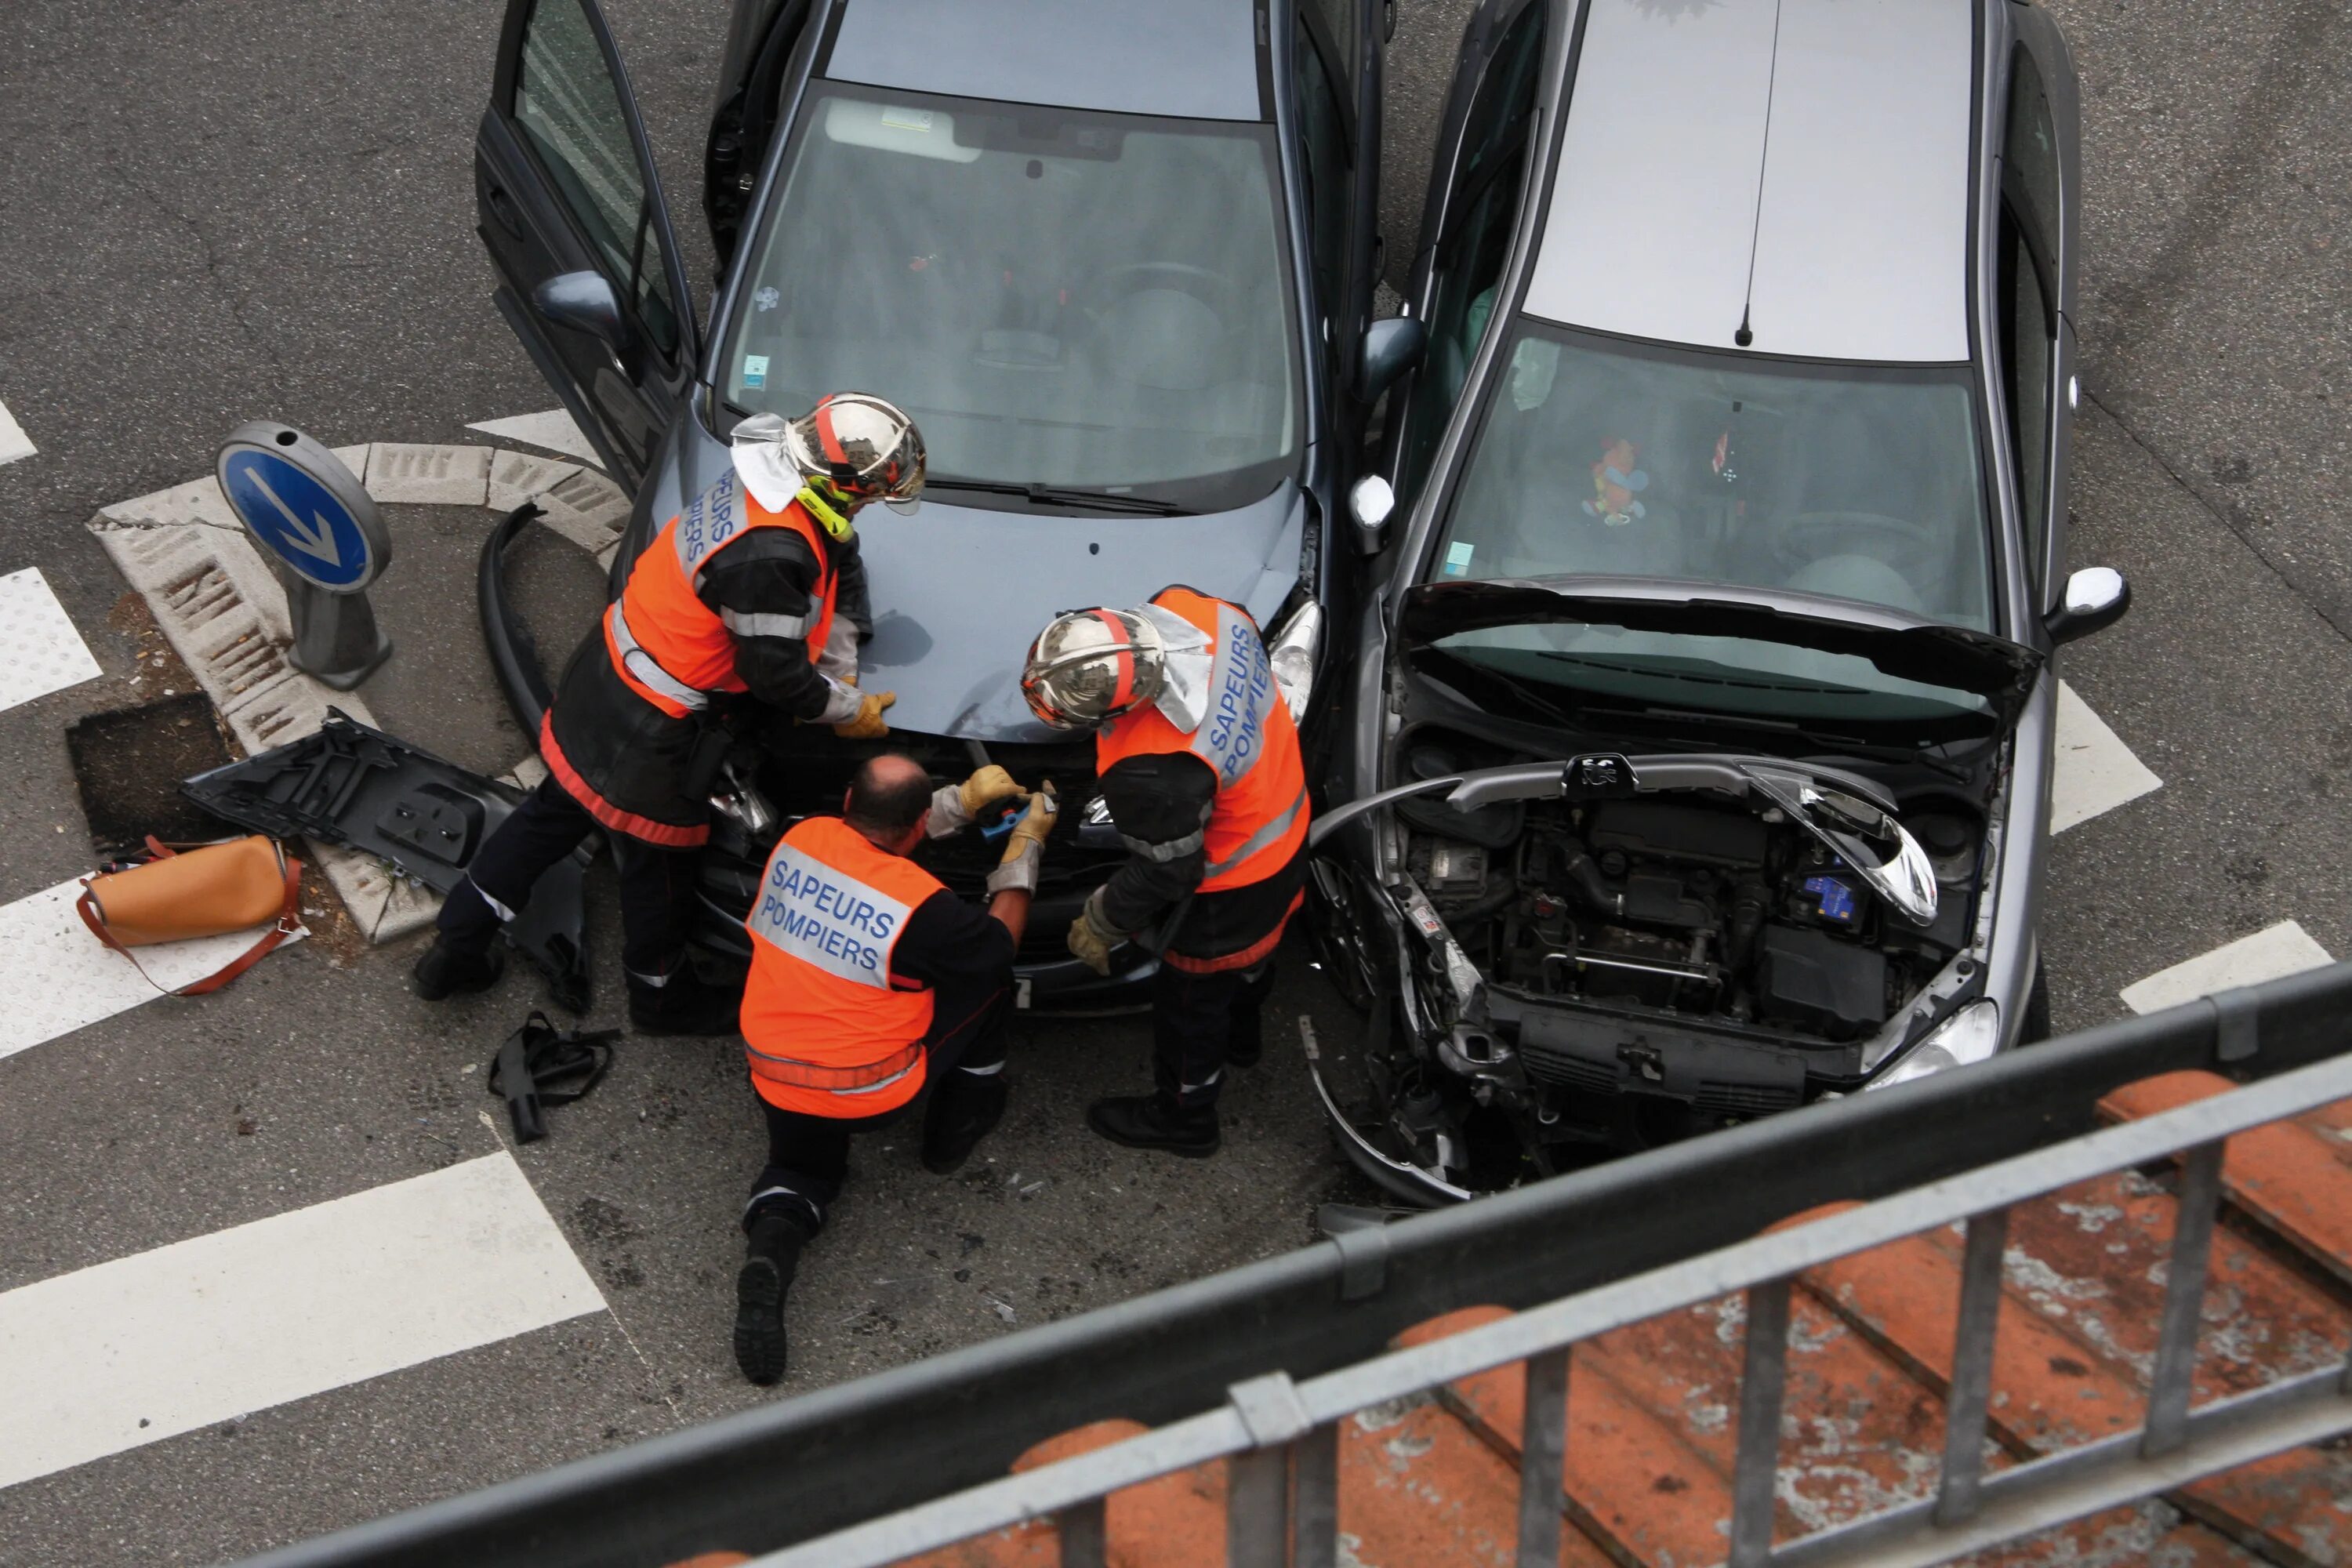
754	589
1199	766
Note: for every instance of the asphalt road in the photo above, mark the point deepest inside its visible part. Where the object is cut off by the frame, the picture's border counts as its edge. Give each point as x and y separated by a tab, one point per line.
209	214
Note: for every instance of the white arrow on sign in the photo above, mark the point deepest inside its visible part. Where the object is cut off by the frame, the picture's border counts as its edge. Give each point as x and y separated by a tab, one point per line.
319	545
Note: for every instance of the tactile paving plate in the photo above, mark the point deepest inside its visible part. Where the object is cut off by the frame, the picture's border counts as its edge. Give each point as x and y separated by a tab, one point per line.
40	652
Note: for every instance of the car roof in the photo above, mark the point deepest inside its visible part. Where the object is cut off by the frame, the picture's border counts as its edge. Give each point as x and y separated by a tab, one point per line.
1858	115
1194	60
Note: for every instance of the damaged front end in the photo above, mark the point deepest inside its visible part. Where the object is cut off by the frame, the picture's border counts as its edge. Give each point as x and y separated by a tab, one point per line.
1608	951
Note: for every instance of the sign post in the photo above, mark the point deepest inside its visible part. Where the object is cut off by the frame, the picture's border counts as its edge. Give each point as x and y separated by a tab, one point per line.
321	532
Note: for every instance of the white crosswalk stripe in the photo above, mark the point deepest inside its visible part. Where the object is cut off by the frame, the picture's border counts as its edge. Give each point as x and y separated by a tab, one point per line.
2282	949
40	652
144	1348
14	442
61	979
552	430
2094	772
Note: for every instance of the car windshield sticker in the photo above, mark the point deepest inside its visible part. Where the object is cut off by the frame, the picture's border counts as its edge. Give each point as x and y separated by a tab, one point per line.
755	371
900	118
1458	558
765	298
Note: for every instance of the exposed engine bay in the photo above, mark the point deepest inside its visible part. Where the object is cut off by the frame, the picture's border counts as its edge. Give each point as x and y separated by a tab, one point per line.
1613	951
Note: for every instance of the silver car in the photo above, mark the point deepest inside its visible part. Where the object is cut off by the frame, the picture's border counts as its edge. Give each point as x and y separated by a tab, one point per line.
1700	746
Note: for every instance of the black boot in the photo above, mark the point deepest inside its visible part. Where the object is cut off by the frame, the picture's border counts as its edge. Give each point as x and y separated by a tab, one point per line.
963	1108
1246	1044
685	1003
775	1253
450	966
1155	1121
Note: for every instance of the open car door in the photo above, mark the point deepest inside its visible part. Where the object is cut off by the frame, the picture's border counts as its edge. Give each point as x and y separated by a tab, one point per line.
572	212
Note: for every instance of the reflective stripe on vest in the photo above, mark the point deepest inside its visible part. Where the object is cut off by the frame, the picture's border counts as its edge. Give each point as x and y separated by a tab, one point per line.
670	647
637	662
822	1017
1259	814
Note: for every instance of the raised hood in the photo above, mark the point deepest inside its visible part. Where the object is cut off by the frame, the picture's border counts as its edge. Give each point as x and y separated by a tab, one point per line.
2000	671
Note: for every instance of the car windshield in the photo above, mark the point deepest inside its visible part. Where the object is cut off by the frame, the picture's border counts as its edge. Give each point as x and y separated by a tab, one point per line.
1060	297
1603	458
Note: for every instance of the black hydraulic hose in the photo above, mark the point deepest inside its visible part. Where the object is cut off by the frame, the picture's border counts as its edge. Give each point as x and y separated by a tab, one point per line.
514	653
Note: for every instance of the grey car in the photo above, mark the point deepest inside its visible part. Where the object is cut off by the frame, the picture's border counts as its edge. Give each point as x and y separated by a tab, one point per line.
1116	257
1699	749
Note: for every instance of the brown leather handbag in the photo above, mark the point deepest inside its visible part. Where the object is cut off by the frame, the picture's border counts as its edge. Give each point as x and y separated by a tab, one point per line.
206	890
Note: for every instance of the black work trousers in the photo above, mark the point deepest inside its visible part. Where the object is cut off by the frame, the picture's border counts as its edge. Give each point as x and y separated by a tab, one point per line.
656	883
1196	1019
808	1156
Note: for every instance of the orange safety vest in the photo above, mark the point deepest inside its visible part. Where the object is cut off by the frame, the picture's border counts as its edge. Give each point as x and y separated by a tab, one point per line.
671	648
1259	819
827	1029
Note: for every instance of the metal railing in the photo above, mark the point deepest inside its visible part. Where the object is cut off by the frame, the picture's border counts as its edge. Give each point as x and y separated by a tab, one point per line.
1258	1365
1280	1436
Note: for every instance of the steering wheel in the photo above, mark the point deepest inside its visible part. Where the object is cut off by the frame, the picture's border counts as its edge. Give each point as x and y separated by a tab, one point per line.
1906	547
1215	289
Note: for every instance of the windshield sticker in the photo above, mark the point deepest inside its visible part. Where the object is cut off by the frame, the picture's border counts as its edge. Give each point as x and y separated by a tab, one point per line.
765	298
1458	558
898	119
755	371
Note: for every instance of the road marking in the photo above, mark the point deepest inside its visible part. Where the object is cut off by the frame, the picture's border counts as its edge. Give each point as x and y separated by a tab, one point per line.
14	442
2282	949
2095	771
61	979
554	430
40	652
161	1342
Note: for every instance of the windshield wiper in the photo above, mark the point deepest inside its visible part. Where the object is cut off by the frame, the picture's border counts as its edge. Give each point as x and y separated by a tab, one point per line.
1521	691
1847	744
1059	494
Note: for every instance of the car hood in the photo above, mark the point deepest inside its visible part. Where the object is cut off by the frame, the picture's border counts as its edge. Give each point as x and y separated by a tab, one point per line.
2000	671
959	592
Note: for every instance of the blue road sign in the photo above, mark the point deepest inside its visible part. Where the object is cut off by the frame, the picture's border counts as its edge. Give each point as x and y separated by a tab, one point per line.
294	511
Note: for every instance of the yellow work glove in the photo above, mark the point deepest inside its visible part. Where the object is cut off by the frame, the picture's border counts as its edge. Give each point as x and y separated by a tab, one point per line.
869	725
985	788
1024	850
1091	938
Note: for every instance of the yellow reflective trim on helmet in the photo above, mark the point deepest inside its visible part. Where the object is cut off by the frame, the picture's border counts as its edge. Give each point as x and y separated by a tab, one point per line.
827	505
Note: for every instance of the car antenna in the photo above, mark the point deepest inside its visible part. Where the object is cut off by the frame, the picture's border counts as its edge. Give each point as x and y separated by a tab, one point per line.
1747	334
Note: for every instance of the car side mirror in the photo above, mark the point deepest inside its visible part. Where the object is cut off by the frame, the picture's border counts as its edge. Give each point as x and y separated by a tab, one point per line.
1369	503
2096	598
1392	346
583	302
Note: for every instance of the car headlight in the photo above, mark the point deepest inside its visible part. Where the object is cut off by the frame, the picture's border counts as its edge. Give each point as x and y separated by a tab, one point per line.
1292	654
1970	1035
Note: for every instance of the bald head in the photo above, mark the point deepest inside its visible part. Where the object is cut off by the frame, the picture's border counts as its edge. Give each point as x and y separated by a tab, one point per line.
888	798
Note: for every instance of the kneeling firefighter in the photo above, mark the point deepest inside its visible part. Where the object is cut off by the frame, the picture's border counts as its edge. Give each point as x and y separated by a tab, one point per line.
755	587
869	978
1199	766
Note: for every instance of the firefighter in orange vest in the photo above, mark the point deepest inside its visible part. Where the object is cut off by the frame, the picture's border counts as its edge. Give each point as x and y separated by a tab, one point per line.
1199	766
757	587
868	979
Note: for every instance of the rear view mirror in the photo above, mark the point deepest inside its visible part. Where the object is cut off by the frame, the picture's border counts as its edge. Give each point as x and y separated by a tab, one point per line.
585	302
2096	598
1369	503
1391	347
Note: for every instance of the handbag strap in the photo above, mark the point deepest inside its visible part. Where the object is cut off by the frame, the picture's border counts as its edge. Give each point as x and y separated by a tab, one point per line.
280	929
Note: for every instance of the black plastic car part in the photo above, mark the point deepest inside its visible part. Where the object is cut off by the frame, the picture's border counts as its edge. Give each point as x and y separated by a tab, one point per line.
348	785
